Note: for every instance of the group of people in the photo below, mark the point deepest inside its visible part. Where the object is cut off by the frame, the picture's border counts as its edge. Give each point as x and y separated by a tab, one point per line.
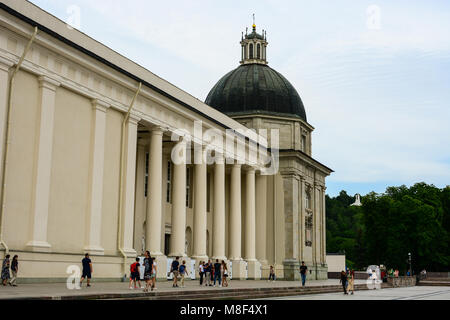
178	270
150	269
348	281
216	273
6	266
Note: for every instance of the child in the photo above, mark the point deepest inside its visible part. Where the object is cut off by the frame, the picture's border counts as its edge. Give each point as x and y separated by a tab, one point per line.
153	275
183	273
134	274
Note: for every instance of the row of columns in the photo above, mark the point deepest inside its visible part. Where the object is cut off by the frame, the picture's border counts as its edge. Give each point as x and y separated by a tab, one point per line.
177	243
41	191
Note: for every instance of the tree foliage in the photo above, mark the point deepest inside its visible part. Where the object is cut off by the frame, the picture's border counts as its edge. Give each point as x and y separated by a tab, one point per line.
388	226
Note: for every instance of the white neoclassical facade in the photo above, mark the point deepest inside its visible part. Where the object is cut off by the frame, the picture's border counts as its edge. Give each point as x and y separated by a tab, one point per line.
90	149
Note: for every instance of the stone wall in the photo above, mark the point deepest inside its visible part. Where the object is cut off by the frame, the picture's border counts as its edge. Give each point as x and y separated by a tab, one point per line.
402	281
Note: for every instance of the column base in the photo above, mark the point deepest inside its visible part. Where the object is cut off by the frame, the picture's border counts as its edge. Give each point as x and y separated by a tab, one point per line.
254	270
38	246
213	259
321	272
265	269
94	250
161	266
238	271
291	270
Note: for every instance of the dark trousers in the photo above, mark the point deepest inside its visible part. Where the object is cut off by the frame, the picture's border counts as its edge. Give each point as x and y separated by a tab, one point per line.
272	276
344	286
217	277
201	277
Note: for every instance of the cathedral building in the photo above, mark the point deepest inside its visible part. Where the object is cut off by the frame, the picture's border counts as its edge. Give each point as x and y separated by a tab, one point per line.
90	148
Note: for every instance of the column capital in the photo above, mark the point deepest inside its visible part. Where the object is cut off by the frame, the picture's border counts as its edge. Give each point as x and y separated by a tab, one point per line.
134	118
48	83
157	130
250	169
100	105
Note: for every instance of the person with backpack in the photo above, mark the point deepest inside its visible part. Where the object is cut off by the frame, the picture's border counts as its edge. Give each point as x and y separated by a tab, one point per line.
134	274
183	273
175	271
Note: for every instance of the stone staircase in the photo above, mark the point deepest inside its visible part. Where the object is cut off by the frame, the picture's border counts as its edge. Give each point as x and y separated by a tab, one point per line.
435	282
241	294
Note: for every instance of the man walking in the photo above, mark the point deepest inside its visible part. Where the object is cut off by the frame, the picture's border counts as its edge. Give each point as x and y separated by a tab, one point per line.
303	270
87	270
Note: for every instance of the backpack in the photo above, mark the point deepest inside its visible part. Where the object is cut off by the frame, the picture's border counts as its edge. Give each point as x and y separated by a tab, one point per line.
133	268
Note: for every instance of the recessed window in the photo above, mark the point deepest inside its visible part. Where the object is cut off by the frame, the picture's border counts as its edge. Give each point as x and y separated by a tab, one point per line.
258	51
208	193
146	174
251	51
188	187
308	200
169	182
303	143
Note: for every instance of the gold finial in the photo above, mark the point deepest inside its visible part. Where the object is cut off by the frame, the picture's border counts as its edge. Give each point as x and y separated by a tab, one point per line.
254	24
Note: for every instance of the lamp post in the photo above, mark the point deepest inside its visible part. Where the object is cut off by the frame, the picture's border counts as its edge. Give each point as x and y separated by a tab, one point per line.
410	265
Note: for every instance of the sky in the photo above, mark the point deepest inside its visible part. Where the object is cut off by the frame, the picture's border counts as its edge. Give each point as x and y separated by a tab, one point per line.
374	76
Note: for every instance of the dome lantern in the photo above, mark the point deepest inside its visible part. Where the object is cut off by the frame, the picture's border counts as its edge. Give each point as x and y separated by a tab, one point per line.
254	47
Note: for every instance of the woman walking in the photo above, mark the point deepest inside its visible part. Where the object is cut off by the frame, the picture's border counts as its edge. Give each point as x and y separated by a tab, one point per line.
225	274
351	282
5	270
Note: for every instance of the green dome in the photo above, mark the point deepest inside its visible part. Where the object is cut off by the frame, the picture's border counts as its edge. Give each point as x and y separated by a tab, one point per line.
256	89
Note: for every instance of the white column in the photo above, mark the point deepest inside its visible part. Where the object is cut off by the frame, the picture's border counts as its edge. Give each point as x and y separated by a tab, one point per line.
235	230
318	222
129	186
200	218
254	271
261	222
154	194
4	85
177	241
94	213
42	165
235	213
324	228
219	210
